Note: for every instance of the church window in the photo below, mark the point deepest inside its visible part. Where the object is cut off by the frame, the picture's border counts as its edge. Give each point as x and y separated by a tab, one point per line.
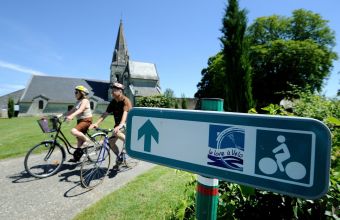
41	104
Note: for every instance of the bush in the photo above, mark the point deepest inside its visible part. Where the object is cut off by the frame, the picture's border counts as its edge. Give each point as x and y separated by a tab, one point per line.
10	108
154	101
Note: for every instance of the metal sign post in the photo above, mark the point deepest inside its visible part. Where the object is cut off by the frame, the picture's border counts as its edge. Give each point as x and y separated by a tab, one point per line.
207	188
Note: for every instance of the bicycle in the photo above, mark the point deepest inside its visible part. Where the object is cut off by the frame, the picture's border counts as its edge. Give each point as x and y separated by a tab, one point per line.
91	174
126	161
46	158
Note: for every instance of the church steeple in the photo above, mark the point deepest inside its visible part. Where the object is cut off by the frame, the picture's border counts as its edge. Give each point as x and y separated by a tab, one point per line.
120	53
119	65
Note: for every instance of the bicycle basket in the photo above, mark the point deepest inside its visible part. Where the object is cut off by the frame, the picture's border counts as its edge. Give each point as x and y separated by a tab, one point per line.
48	125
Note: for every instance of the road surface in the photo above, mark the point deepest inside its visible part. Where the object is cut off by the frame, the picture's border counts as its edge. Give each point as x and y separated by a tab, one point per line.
57	197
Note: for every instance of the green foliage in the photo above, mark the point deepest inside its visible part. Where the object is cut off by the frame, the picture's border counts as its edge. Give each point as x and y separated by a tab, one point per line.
176	104
237	67
169	93
186	207
10	108
274	109
289	51
315	106
212	82
155	101
184	103
323	109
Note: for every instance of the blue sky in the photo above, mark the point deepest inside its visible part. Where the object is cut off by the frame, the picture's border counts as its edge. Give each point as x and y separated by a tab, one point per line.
75	38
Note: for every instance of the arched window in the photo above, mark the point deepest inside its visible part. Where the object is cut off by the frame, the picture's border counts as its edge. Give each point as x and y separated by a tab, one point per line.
91	105
41	104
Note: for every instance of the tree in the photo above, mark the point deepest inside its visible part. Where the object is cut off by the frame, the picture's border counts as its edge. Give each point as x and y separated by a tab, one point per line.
289	51
237	69
169	93
184	103
211	85
10	108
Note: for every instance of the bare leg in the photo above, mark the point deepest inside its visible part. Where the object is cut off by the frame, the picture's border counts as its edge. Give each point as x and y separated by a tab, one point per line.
113	146
79	135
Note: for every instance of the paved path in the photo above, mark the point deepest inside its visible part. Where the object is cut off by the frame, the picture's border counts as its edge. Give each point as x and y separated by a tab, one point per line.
58	197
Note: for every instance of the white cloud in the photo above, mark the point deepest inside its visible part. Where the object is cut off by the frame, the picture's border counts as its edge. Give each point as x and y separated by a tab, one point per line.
21	69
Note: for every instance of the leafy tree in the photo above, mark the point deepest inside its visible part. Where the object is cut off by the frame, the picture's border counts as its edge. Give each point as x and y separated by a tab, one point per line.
176	104
237	69
289	51
184	103
10	108
211	85
169	93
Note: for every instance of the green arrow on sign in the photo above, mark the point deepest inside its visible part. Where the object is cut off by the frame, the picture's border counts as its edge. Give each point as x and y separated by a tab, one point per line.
148	130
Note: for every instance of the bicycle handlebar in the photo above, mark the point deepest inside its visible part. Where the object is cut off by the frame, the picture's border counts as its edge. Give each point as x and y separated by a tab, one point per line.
106	131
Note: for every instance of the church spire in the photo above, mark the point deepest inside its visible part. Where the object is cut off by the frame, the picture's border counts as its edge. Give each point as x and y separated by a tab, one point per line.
120	53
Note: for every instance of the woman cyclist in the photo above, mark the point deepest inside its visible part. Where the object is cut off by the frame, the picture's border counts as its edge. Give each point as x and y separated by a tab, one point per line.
82	111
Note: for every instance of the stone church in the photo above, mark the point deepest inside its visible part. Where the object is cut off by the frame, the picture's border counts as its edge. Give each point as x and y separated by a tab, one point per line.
49	94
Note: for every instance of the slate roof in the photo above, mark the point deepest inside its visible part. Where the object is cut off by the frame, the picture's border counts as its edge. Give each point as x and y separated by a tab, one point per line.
145	91
61	89
14	95
141	70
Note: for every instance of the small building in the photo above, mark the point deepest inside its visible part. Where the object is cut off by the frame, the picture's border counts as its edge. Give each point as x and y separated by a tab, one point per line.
51	94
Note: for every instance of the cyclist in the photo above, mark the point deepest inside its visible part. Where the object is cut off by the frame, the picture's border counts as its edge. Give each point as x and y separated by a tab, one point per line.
119	108
82	111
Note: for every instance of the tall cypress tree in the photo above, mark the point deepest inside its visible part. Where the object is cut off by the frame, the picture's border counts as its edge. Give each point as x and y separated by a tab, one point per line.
10	108
238	92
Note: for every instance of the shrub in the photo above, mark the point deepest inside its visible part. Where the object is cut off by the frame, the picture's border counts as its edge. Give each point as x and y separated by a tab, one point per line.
10	108
154	101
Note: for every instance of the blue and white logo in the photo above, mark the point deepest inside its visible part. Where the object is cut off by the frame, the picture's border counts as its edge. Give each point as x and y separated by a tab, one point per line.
226	147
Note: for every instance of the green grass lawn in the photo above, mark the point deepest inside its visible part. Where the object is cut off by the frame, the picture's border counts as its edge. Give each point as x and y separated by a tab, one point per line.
18	135
153	195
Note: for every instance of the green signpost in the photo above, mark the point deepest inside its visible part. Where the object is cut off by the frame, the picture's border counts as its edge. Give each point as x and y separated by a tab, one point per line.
207	188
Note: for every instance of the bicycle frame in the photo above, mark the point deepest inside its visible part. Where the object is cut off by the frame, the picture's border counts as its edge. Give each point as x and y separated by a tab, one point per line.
60	135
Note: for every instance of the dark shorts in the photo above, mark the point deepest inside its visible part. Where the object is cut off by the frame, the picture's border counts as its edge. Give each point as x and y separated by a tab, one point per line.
83	124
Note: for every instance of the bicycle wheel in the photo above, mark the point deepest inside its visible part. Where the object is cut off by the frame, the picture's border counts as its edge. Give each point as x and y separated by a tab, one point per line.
44	159
93	172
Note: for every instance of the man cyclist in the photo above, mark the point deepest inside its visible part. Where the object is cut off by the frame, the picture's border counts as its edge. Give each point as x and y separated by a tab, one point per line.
119	107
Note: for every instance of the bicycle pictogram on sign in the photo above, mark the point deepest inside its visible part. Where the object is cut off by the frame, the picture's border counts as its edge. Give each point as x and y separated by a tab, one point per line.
275	160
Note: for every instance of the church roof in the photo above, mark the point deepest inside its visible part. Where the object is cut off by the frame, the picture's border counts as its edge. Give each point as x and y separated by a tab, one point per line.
61	89
145	91
13	95
120	53
141	70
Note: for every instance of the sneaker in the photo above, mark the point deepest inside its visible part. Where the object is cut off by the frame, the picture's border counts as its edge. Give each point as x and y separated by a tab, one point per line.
119	159
73	160
77	154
